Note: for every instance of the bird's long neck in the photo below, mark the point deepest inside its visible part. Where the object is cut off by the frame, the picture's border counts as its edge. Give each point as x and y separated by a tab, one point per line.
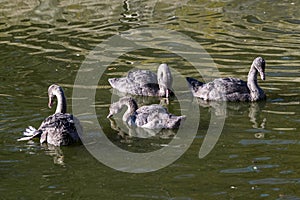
61	102
252	84
164	79
131	109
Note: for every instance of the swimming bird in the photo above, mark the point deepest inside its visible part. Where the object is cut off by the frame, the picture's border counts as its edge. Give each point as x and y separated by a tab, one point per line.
145	83
232	89
58	129
151	117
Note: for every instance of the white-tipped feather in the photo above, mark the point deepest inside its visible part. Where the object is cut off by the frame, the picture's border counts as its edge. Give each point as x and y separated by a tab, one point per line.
30	131
24	139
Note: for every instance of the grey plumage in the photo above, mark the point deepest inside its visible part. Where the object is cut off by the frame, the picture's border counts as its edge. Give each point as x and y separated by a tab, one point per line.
152	117
232	89
145	83
58	129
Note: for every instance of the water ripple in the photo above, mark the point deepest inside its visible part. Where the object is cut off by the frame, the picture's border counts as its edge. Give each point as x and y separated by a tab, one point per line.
275	181
252	168
45	42
268	142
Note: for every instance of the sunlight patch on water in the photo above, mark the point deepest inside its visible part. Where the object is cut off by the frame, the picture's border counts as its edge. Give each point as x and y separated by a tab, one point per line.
279	112
287	103
284	129
5	95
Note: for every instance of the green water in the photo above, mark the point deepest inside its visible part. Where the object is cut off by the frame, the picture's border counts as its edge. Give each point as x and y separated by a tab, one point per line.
255	157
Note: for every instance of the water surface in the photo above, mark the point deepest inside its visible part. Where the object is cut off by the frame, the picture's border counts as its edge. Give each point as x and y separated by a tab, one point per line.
256	156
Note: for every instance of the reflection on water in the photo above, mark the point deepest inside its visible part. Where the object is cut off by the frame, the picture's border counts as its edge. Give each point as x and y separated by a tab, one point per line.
254	112
141	100
55	152
45	42
47	11
226	109
222	110
124	130
127	131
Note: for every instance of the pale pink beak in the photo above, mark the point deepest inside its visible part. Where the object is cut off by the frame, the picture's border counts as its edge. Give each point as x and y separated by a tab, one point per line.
50	103
262	76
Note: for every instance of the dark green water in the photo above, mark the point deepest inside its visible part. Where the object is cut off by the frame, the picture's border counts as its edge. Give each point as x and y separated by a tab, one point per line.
255	157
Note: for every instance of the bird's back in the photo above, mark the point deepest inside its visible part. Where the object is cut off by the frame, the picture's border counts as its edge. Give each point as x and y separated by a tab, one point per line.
60	129
225	89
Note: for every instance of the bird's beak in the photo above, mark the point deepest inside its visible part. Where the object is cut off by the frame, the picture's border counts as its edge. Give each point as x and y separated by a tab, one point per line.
50	103
109	115
262	75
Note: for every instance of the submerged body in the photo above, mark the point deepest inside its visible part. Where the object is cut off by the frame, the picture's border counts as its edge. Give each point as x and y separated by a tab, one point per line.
152	117
145	83
232	89
59	129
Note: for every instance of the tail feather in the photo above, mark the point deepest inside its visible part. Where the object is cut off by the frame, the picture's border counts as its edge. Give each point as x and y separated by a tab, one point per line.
176	121
25	138
30	131
194	83
29	134
111	81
